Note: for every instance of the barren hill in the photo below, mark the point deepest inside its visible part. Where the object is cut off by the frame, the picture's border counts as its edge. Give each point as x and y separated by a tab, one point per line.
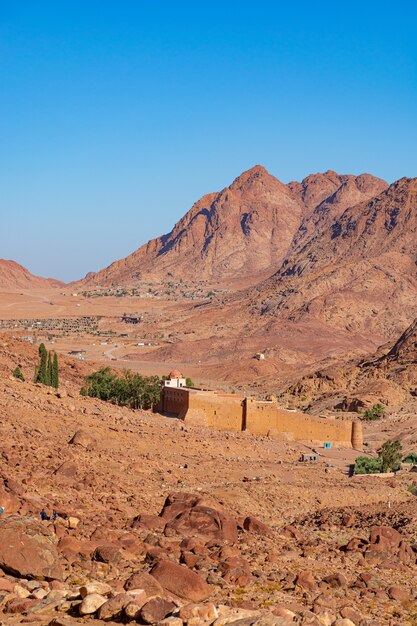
15	276
356	272
158	519
240	234
389	376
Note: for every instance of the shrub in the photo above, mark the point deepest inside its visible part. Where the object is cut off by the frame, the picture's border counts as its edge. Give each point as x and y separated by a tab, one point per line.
375	413
367	465
390	455
189	382
411	457
17	373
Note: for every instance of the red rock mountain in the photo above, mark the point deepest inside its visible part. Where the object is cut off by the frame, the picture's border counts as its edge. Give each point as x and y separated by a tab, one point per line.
357	271
242	233
15	276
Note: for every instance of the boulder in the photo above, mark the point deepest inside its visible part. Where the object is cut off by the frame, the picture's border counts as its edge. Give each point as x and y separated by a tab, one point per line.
113	608
67	469
82	438
399	594
8	499
19	605
191	516
91	603
253	525
181	581
155	610
305	580
206	612
28	549
107	554
95	586
142	580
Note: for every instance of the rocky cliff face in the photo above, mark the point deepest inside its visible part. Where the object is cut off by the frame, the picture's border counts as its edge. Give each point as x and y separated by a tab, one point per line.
357	271
242	233
14	276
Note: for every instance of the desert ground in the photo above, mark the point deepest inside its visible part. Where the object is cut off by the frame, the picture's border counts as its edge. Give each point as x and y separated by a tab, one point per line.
270	539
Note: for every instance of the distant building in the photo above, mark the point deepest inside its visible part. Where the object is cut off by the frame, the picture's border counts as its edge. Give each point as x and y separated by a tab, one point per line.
308	457
131	319
175	379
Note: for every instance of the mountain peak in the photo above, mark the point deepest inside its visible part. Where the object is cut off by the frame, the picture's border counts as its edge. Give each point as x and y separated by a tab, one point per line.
255	175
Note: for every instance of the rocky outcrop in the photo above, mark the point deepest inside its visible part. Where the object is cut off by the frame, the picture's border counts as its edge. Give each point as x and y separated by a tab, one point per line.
28	549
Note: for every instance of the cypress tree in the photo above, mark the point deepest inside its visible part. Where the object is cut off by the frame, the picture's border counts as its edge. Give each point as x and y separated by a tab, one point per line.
17	373
42	371
48	378
55	372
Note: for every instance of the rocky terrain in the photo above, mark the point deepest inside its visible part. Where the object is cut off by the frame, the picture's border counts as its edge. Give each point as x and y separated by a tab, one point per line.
15	276
388	376
241	234
158	523
356	272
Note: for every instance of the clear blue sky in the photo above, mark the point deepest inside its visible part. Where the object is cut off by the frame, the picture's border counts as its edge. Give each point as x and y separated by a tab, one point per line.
115	116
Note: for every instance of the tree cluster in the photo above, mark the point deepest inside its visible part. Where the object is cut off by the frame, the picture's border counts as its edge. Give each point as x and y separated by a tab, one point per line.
47	371
389	458
132	390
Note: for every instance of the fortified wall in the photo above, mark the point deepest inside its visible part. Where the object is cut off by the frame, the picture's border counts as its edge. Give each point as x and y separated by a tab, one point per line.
232	412
85	324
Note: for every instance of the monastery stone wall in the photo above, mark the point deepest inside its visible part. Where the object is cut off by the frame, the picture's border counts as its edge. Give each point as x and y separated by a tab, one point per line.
263	417
231	412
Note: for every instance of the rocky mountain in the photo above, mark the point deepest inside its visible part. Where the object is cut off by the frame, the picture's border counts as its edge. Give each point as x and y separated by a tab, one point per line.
15	276
357	271
389	376
241	234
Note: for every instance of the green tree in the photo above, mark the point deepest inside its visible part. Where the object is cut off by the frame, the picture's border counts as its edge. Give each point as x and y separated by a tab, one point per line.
99	384
41	375
390	454
17	373
48	377
189	382
133	390
367	465
55	372
375	413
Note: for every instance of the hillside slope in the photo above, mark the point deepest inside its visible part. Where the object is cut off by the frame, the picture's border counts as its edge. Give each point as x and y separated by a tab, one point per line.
358	272
15	276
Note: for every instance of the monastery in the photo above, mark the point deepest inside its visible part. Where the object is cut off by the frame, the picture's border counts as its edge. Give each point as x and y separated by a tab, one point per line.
232	412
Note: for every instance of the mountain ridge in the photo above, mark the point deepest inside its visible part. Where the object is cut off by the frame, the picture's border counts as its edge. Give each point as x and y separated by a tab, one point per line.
241	233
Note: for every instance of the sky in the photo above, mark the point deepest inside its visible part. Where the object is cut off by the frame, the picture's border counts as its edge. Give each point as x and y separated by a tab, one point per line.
117	115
